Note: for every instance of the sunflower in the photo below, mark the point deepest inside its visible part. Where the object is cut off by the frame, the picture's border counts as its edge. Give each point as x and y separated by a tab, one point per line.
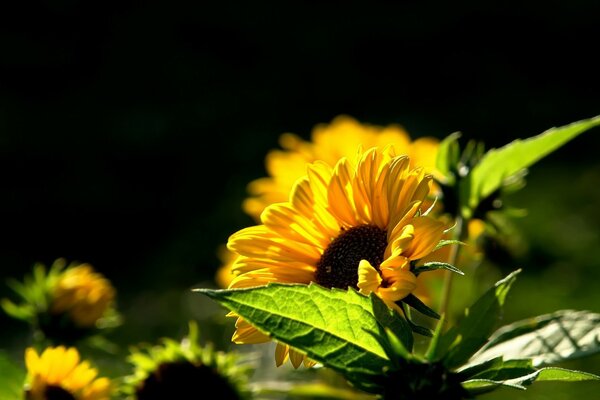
177	369
329	143
65	302
58	374
84	294
356	224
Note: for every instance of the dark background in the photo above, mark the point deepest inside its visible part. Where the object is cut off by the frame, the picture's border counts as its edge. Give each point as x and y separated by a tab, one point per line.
128	130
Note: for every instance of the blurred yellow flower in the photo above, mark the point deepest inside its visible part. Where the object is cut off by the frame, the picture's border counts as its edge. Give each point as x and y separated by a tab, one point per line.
59	374
357	224
330	142
64	303
82	293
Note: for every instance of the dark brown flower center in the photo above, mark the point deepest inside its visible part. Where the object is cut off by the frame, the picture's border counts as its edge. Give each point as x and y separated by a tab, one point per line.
57	393
184	380
338	266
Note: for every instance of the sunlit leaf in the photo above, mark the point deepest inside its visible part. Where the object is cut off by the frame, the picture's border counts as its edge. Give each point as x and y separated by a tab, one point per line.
556	374
546	339
332	326
463	340
447	155
12	378
498	165
505	370
480	386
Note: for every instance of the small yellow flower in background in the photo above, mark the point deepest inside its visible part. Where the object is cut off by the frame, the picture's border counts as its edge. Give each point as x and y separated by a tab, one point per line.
352	224
84	294
185	369
65	302
329	143
58	373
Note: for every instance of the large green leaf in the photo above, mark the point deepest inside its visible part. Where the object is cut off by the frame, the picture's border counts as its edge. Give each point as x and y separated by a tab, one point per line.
546	339
499	164
463	340
343	330
12	378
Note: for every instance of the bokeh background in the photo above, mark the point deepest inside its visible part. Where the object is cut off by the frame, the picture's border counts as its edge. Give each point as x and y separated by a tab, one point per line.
129	130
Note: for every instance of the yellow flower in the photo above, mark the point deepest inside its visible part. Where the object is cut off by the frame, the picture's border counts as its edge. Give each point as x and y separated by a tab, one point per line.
357	224
82	293
59	374
329	143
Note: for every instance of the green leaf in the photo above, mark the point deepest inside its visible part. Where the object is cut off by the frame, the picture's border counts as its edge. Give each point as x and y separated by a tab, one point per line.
435	339
460	342
418	305
447	156
498	165
546	339
564	375
481	385
12	379
506	370
445	242
432	266
474	369
332	326
396	350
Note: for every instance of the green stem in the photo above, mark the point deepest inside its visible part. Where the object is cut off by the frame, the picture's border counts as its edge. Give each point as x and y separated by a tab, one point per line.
454	250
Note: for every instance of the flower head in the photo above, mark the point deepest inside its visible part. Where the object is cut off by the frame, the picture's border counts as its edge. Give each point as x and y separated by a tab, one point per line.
356	224
58	373
65	302
83	293
329	142
175	369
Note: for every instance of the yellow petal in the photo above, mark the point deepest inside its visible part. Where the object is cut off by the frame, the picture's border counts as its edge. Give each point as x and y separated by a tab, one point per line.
296	358
428	233
368	278
281	354
403	282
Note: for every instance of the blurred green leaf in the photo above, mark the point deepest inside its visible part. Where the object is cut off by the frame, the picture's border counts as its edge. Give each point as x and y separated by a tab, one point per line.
463	340
12	379
546	339
447	156
498	165
342	330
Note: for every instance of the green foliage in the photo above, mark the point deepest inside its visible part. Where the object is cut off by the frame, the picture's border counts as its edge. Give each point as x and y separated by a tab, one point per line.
346	331
12	379
546	339
34	292
498	166
462	341
341	329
